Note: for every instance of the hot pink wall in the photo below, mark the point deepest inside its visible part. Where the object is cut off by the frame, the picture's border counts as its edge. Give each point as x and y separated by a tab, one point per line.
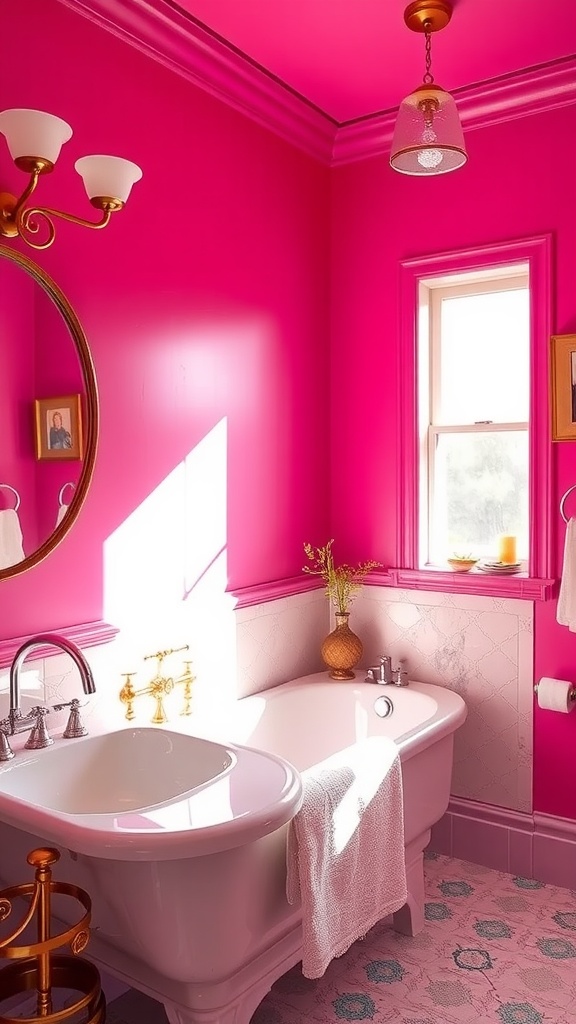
509	189
206	298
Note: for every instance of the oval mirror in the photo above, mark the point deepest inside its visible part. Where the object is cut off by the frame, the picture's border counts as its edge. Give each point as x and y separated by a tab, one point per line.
48	414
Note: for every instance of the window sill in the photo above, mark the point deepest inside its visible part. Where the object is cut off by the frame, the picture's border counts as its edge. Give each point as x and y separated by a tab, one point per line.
520	585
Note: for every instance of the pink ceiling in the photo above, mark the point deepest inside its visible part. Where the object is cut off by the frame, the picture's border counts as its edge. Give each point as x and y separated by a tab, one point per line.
353	58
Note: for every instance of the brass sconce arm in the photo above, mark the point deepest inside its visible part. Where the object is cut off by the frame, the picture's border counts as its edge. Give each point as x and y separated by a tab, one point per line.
107	179
27	221
30	220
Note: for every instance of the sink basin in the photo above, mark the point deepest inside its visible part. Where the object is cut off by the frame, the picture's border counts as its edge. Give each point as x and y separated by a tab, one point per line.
147	794
134	769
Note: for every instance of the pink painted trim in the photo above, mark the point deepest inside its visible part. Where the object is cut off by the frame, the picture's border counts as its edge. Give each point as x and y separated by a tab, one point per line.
550	825
537	253
521	586
489	813
170	36
88	634
541	846
502	99
261	593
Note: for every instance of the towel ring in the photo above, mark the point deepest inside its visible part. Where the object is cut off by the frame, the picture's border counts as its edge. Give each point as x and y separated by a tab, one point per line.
563	501
62	489
14	491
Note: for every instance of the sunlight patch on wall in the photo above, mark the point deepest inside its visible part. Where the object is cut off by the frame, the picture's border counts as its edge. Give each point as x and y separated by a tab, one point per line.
165	571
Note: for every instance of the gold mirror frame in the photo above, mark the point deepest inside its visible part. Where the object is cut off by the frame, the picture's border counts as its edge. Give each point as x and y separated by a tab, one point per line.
90	431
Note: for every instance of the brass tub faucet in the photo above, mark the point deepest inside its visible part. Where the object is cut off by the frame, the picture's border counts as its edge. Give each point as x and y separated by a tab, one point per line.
160	686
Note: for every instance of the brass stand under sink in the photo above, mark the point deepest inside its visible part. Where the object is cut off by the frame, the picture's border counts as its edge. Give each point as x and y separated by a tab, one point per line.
36	966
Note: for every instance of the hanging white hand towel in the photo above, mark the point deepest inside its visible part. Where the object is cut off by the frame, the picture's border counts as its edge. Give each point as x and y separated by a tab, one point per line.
11	550
566	610
345	854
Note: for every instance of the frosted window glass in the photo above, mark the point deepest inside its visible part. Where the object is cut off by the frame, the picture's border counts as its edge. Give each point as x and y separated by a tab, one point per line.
484	363
481	490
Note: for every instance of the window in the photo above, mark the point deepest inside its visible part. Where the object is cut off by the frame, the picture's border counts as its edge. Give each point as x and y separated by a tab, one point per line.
474	399
474	347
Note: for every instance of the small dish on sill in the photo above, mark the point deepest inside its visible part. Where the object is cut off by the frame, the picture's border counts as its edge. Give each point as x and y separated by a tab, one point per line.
461	564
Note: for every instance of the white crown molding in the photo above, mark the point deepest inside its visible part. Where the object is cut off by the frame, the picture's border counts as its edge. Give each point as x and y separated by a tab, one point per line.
164	32
521	94
169	36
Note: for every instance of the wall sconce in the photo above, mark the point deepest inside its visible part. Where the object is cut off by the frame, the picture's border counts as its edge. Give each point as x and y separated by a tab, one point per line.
428	137
35	139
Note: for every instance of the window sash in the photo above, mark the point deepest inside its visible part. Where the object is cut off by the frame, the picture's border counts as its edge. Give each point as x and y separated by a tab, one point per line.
437	293
428	474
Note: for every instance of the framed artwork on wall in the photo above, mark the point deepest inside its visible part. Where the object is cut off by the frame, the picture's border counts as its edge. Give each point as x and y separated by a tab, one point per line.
563	386
58	423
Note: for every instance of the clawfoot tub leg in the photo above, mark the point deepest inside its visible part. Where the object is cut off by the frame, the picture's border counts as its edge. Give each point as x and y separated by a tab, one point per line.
409	920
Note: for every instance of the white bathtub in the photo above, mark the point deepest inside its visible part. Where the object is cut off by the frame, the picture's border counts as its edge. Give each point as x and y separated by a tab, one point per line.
209	935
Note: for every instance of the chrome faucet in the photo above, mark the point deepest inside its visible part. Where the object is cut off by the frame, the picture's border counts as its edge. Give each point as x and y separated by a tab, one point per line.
34	721
381	673
385	674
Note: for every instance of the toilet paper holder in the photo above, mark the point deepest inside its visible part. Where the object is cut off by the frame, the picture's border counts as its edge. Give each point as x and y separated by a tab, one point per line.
571	695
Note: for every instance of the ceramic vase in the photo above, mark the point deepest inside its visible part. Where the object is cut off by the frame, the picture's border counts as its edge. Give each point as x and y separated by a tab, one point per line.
342	649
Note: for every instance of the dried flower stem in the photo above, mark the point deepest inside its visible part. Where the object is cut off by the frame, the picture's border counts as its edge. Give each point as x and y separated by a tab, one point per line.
342	581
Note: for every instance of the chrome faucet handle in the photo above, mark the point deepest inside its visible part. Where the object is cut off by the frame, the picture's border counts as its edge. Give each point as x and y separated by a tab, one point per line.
400	676
39	737
6	752
74	727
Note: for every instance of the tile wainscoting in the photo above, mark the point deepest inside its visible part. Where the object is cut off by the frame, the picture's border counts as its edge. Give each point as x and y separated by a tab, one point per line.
481	647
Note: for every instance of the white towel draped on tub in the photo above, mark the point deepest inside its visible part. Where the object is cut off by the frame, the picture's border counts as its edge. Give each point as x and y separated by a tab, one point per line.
566	610
11	550
345	854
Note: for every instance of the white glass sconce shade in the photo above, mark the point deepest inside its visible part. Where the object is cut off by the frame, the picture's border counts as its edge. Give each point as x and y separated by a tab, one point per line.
33	133
108	176
428	136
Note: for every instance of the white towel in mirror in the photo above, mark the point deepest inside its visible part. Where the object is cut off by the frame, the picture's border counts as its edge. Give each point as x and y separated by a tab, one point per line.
62	510
11	550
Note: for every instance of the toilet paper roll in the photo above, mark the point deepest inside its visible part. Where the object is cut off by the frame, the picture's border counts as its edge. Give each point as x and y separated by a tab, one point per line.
556	694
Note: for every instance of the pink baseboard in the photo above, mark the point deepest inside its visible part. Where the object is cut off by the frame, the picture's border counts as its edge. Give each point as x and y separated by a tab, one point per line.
535	845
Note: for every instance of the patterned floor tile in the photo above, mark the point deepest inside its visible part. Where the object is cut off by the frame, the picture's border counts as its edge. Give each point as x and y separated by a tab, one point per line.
496	949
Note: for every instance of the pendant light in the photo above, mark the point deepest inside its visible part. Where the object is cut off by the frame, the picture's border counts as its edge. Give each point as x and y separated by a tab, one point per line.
428	137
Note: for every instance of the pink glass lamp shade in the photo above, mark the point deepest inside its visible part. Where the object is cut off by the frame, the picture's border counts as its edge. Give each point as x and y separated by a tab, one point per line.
428	137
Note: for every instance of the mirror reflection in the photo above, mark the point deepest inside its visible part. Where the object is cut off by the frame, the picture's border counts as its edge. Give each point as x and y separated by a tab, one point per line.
48	413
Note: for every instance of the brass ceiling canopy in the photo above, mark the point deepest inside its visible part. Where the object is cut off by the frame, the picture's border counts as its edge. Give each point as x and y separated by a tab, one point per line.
428	15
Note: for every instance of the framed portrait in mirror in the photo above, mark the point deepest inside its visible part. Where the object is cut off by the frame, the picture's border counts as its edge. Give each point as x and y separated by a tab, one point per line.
563	386
58	427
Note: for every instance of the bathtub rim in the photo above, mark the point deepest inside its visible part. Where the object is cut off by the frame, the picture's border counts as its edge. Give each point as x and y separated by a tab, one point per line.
451	709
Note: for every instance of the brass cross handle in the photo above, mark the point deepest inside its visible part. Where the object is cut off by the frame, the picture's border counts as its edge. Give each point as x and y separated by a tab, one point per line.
187	679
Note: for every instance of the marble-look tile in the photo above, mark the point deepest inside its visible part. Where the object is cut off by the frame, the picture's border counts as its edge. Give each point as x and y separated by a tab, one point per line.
481	647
